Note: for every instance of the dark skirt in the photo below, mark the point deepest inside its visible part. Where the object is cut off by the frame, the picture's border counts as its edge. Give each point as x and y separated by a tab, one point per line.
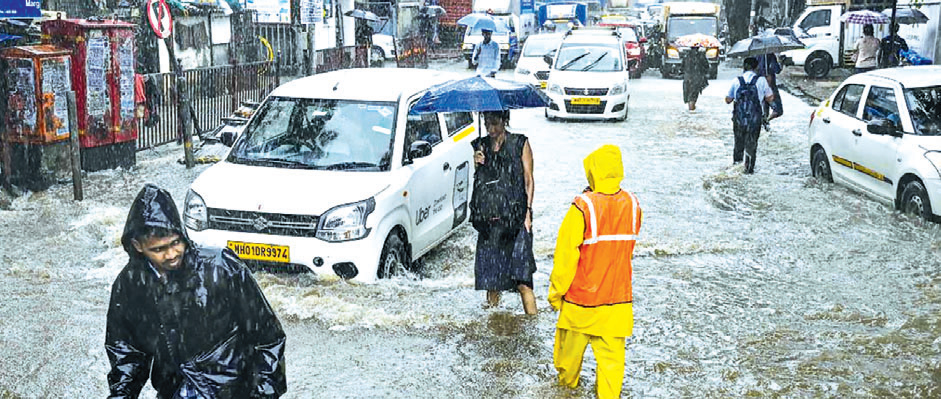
504	262
692	87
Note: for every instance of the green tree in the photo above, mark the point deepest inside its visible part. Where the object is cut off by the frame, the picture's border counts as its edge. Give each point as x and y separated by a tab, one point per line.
737	16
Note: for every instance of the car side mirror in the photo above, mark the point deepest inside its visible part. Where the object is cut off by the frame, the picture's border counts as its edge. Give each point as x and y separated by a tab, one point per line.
548	59
642	40
883	127
419	149
227	138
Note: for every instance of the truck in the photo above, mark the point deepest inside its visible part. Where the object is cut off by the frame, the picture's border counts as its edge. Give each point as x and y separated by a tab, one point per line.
517	14
828	42
515	21
560	14
689	18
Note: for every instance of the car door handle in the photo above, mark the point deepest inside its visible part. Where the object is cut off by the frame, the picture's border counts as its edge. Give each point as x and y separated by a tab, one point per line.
447	166
857	132
826	120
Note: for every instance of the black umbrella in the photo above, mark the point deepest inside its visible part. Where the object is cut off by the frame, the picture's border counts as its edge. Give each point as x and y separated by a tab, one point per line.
362	14
764	44
907	16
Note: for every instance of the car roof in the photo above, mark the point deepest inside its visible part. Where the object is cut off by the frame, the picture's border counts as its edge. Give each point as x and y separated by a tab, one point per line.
910	76
594	38
364	84
546	36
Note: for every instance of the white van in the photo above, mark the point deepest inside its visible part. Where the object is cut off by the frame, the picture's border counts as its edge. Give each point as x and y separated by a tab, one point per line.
333	174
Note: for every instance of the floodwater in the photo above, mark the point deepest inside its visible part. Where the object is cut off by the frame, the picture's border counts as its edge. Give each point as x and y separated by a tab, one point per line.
764	285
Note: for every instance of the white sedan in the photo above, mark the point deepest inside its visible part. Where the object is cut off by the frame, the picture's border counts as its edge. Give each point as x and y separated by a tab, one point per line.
880	134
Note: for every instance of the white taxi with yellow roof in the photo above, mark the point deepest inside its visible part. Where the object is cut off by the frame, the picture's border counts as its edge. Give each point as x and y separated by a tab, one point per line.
589	76
880	134
333	174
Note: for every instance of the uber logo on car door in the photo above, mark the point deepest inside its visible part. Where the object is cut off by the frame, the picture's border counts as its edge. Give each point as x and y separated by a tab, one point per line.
461	188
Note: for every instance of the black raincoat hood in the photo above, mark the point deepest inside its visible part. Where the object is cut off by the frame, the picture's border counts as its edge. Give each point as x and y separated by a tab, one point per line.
153	207
205	327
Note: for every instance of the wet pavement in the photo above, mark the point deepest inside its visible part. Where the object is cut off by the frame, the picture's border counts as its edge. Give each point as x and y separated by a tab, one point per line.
764	285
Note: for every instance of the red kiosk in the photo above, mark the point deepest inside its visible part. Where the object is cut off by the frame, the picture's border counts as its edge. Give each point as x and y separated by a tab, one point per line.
103	65
36	124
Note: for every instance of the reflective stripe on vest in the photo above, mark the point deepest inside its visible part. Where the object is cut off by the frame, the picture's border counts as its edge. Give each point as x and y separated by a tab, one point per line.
603	276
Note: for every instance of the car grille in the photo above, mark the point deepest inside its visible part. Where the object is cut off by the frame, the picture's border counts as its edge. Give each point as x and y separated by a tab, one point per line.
584	109
542	75
263	223
580	91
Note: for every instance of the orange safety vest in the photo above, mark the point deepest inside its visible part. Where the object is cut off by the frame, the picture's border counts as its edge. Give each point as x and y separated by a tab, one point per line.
604	272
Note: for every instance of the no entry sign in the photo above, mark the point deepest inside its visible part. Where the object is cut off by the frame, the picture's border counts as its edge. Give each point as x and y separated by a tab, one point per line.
158	13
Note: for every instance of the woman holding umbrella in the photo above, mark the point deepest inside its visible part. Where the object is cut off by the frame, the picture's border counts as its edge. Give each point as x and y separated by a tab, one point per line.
866	50
501	207
695	67
502	212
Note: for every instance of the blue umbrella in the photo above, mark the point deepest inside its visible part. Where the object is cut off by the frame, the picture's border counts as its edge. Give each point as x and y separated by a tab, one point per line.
478	21
479	94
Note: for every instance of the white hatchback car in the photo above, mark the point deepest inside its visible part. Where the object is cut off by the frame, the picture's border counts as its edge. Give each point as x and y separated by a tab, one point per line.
589	77
531	68
333	174
880	133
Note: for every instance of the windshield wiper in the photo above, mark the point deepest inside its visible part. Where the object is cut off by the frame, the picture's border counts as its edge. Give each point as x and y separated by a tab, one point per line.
349	165
278	162
574	60
595	62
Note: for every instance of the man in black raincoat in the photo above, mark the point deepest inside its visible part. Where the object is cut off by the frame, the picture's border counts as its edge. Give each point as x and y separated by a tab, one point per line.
191	319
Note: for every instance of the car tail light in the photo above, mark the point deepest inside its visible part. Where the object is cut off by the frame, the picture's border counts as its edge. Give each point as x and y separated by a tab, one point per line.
812	113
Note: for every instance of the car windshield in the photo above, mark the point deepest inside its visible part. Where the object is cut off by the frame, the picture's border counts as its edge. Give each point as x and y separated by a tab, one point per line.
690	25
538	47
302	133
924	106
628	34
502	29
593	57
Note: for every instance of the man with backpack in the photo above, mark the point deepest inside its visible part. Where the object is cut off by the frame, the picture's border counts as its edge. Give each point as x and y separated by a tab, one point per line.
747	92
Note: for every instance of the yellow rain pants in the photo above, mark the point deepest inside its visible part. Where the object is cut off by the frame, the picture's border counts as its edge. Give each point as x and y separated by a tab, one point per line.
609	353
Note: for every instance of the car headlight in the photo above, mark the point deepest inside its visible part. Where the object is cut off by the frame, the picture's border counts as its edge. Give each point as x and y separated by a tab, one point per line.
195	213
673	53
617	89
712	53
522	71
467	46
935	158
504	46
346	222
555	89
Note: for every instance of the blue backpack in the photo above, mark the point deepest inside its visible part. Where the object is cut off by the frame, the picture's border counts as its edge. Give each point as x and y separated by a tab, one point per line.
747	111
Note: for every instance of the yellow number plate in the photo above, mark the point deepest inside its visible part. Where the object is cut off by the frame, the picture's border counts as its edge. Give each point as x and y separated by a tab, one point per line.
586	101
262	252
542	85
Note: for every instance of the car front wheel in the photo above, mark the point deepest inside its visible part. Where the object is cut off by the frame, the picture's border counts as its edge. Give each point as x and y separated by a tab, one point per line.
915	200
393	261
821	166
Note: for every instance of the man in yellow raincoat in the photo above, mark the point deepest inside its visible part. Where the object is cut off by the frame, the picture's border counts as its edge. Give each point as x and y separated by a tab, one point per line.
591	276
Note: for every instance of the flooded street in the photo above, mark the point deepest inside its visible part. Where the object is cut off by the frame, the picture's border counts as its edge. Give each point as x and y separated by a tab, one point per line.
764	285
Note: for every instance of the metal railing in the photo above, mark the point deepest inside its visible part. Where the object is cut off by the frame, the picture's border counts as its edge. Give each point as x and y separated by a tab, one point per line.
332	59
213	93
